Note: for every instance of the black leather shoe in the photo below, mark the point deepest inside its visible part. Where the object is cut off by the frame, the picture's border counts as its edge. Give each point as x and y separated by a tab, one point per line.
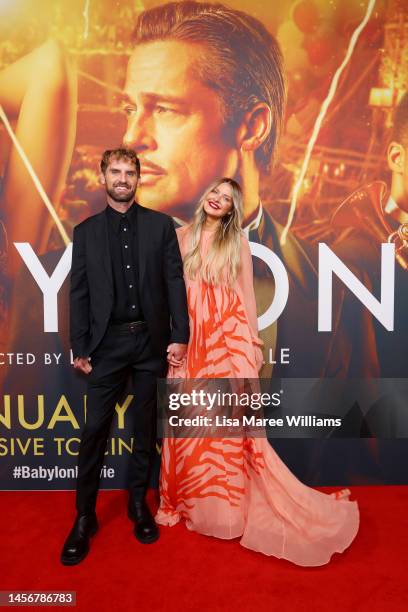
146	530
76	546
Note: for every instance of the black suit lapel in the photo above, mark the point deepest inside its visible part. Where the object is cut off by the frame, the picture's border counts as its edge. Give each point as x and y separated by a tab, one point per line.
102	246
142	235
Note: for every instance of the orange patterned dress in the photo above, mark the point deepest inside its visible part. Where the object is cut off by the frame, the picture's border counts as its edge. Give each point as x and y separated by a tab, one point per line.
239	487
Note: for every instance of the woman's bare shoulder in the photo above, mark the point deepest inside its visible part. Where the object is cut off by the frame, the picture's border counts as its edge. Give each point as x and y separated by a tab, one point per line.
182	230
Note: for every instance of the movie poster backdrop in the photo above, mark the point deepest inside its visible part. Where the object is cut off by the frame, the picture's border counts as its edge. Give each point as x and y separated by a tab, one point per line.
177	83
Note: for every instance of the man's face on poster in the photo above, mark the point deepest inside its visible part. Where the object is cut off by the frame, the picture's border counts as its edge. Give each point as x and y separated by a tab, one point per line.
176	126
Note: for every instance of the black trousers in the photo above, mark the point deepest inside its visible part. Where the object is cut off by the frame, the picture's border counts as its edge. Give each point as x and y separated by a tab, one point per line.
125	350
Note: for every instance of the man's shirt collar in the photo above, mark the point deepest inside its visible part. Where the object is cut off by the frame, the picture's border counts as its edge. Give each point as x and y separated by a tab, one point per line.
115	217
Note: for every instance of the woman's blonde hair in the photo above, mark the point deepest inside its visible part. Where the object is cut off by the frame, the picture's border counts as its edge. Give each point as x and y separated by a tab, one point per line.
223	258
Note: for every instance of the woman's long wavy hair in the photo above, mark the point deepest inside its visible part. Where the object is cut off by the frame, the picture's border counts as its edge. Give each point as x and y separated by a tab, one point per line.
222	261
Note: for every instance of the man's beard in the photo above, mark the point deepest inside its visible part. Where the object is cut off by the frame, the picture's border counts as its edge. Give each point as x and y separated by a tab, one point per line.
121	197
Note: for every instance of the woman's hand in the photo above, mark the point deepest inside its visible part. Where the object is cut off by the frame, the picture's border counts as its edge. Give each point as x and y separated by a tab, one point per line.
176	353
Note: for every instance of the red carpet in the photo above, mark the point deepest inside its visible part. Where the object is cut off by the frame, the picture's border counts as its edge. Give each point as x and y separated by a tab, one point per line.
186	571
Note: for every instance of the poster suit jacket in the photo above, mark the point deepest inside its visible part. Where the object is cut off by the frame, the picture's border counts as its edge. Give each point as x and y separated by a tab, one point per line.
346	351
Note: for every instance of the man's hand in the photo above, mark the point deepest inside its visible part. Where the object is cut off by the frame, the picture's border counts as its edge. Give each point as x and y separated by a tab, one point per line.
176	353
83	364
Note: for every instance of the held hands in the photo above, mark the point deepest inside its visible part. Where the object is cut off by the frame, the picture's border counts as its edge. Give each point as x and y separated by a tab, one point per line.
176	353
83	364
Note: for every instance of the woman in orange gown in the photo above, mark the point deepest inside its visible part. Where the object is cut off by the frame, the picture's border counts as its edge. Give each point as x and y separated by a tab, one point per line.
238	487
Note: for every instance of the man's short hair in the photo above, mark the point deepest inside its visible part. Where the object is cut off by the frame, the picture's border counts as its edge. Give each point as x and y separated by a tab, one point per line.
244	65
120	153
400	129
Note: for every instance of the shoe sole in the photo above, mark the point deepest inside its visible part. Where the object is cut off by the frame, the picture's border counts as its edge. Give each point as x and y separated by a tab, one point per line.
70	561
76	560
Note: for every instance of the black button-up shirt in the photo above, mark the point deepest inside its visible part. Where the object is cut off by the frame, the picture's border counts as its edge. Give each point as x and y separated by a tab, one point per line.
122	236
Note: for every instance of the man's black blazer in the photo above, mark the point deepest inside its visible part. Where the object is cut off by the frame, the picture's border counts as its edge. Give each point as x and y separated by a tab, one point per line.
161	285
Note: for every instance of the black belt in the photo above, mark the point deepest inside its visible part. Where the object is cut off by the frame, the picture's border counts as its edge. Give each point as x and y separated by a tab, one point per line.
130	326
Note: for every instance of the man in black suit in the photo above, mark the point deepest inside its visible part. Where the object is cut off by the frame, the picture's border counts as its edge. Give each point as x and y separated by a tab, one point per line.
127	307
